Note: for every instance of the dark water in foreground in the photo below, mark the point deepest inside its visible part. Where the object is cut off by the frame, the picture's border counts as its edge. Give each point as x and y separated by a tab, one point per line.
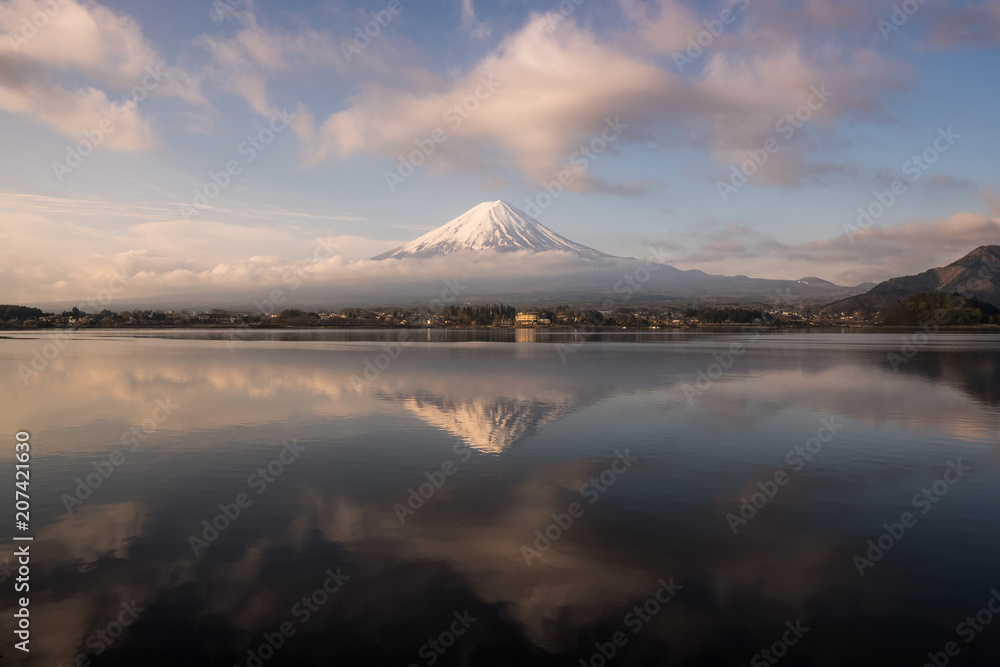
582	499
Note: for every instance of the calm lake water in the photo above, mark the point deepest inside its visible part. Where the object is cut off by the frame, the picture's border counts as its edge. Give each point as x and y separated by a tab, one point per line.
507	498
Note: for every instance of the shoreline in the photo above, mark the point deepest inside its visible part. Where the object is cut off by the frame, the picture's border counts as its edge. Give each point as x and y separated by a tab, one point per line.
554	328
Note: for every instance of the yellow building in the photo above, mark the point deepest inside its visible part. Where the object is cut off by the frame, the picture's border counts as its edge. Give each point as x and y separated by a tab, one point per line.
526	319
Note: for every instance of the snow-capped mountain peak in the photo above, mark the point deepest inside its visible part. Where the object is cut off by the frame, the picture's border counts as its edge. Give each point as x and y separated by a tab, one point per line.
494	225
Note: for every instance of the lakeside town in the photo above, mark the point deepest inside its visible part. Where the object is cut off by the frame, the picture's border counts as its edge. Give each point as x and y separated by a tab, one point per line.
471	316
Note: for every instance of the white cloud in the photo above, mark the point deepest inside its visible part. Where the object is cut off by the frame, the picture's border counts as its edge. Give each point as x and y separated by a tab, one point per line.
47	254
245	63
875	254
57	249
48	42
472	25
975	24
84	110
554	86
559	82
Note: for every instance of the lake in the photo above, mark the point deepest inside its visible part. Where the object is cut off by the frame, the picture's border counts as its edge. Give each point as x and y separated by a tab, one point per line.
525	497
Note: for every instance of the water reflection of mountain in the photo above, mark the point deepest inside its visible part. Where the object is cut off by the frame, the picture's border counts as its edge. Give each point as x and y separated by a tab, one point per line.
462	550
485	424
490	395
980	378
493	401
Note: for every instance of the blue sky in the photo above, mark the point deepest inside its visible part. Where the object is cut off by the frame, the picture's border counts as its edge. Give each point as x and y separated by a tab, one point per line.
538	80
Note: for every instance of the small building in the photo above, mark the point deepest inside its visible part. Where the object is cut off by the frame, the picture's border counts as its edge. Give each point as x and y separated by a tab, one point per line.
526	319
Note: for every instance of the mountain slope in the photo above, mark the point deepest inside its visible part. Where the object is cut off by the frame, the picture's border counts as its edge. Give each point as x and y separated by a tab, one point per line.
976	275
494	225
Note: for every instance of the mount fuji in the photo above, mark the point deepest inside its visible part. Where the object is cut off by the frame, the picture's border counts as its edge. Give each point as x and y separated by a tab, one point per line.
494	225
504	253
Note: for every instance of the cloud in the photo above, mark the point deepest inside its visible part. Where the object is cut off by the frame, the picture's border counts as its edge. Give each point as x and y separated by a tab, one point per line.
309	269
971	24
73	112
940	181
49	256
49	43
57	250
949	182
475	28
876	254
549	89
244	63
558	84
66	249
249	61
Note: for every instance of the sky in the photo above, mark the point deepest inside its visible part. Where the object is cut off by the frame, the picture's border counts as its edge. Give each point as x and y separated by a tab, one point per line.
200	145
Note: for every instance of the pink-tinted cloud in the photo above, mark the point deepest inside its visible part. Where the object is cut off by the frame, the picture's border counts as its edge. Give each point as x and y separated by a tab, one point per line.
874	254
557	83
46	42
971	24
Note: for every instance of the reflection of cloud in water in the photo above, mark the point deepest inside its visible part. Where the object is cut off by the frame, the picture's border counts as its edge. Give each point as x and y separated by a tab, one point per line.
214	390
588	577
70	608
461	552
91	532
463	549
490	395
855	390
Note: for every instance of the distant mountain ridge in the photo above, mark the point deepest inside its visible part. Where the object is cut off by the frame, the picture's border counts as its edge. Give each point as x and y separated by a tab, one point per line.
496	252
975	275
496	226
